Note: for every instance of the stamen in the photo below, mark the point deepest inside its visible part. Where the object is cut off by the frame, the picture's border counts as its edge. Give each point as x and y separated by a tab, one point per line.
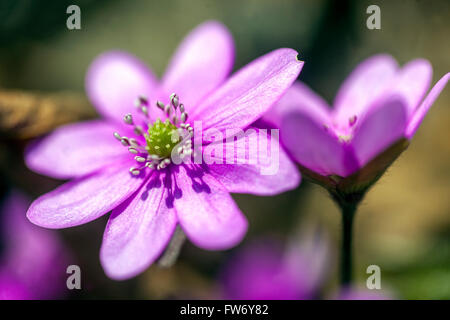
138	130
141	101
125	142
117	136
160	137
140	159
352	120
132	150
160	105
128	118
174	100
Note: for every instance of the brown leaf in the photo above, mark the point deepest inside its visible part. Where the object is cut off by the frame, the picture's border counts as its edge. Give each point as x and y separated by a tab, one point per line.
25	114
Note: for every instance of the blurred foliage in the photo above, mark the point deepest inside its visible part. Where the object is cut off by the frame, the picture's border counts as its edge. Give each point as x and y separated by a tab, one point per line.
404	223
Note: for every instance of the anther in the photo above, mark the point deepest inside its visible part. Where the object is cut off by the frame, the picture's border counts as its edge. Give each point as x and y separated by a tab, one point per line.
174	100
117	136
141	100
160	105
125	142
352	120
144	110
133	150
167	110
128	118
135	171
140	159
138	130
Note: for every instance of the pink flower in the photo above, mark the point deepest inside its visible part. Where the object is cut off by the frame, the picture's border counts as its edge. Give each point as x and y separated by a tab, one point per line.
33	261
264	270
152	197
376	112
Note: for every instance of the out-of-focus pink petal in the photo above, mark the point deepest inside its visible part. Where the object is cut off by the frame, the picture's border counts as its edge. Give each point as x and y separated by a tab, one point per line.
84	199
257	272
33	256
115	80
412	83
206	212
381	127
422	110
248	94
255	164
137	231
299	97
74	150
372	77
201	63
12	288
316	147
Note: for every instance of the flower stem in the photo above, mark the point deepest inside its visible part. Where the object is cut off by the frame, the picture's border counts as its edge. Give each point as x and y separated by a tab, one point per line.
348	214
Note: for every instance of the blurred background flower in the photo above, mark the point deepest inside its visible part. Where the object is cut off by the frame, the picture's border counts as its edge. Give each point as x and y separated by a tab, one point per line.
403	225
33	260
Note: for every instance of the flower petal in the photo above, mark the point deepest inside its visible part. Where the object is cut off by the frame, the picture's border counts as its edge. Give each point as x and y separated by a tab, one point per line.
422	110
206	212
84	199
299	97
115	80
74	150
316	147
258	165
381	127
250	92
412	82
363	86
201	63
137	232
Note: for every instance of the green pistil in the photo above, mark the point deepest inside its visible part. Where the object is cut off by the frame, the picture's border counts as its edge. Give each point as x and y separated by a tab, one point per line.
162	137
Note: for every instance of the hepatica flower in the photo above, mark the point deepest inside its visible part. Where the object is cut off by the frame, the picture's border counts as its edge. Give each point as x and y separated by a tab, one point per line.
123	163
33	261
376	112
374	116
264	270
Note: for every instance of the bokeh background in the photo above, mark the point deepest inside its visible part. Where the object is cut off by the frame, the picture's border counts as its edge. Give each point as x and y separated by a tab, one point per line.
403	224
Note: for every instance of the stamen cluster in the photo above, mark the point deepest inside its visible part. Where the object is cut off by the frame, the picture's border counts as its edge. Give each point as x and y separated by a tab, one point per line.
162	139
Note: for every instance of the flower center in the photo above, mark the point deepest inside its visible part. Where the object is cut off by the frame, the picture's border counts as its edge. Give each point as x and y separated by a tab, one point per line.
162	137
162	140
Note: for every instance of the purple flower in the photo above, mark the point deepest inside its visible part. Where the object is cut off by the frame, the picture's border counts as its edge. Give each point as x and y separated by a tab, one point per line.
32	262
264	270
376	112
147	193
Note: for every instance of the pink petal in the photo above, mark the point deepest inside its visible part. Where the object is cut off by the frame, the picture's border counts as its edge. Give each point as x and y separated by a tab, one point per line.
75	150
382	126
363	86
250	92
316	147
201	63
84	199
206	212
271	172
137	232
299	97
114	80
34	255
422	110
412	82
